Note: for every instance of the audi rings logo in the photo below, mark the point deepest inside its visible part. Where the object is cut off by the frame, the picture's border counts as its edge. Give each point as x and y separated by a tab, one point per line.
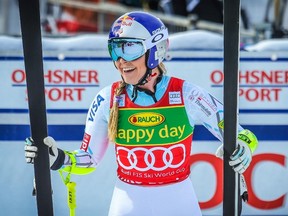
146	119
156	158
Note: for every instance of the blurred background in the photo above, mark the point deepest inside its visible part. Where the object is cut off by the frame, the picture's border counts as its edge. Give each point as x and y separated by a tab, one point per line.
262	19
77	65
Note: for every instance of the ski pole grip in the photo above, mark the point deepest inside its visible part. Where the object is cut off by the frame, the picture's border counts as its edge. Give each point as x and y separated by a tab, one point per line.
71	188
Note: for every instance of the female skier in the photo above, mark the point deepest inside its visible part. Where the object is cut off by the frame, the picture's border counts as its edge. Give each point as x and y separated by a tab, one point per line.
150	117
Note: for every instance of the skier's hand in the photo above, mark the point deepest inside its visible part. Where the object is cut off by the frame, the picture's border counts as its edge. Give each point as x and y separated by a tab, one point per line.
56	156
242	155
30	150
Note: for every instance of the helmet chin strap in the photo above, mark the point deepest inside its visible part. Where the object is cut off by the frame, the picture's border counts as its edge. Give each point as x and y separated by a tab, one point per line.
145	77
142	81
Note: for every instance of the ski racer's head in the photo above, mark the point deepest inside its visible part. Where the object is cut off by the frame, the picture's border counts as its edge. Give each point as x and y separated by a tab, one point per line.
137	37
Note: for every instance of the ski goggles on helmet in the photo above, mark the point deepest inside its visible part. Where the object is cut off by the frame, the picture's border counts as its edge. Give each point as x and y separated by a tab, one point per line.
127	49
131	48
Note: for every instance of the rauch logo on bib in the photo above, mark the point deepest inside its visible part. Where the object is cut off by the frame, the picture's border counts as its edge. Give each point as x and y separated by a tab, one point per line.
145	119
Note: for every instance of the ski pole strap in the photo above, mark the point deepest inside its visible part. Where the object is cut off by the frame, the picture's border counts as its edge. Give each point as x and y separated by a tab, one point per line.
249	138
73	165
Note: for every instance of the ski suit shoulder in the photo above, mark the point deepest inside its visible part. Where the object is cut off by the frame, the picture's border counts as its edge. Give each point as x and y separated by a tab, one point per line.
203	108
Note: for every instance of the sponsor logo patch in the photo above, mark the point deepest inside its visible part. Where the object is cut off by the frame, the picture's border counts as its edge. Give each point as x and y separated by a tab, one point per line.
121	100
85	142
146	119
175	98
203	103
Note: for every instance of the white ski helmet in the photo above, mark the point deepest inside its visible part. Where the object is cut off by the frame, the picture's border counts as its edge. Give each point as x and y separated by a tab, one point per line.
146	27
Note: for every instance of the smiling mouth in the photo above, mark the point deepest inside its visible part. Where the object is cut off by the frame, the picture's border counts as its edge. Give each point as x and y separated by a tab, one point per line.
128	70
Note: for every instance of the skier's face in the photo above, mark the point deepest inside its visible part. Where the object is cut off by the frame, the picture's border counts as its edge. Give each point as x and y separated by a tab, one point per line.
131	71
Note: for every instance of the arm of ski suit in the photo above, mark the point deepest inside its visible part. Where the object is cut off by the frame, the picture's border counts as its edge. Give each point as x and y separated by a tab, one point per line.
95	140
94	143
207	110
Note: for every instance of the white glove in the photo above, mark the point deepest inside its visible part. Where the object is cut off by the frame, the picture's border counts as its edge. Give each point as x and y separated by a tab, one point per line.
243	188
241	157
53	150
31	150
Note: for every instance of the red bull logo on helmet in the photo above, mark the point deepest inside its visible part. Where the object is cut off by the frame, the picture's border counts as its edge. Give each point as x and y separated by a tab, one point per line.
126	20
123	21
